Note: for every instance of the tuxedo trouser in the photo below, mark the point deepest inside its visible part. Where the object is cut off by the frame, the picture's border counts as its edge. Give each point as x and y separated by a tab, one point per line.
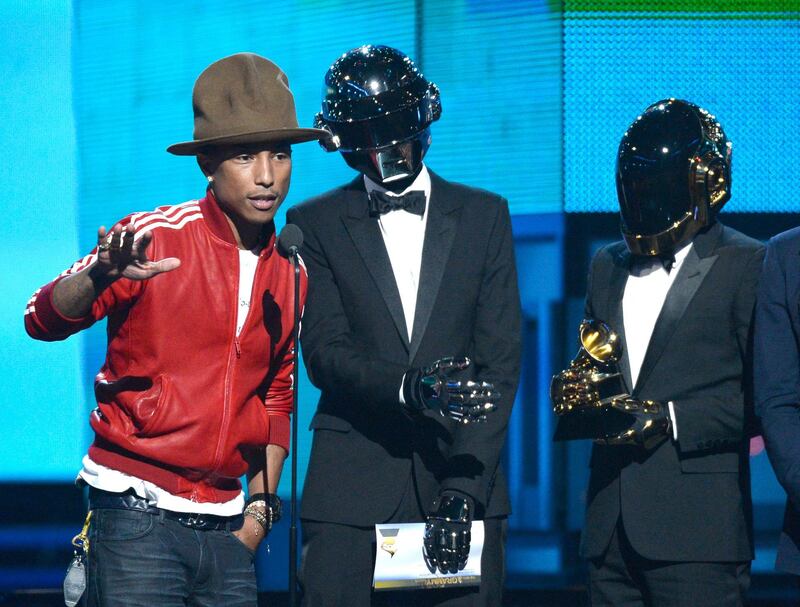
338	562
623	578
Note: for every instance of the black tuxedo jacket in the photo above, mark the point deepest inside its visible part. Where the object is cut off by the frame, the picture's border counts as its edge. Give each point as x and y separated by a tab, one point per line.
776	382
356	351
687	500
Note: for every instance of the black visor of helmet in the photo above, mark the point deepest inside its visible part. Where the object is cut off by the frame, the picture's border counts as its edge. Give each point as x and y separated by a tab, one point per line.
653	169
651	197
387	130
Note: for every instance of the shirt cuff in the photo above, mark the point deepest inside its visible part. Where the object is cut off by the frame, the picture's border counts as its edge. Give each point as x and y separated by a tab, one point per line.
673	420
402	385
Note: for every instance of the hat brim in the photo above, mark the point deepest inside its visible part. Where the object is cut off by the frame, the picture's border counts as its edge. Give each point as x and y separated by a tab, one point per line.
194	147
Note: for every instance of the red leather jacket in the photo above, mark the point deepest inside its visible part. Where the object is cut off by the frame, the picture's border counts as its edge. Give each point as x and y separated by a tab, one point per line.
181	400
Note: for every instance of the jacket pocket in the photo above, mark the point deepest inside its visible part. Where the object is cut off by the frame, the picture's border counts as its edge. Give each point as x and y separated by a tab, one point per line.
711	463
326	421
140	398
148	407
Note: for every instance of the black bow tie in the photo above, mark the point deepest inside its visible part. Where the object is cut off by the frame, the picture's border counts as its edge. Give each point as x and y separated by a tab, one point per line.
667	260
381	203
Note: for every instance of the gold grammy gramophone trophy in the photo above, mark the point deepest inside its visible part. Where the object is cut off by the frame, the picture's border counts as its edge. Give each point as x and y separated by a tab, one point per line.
583	395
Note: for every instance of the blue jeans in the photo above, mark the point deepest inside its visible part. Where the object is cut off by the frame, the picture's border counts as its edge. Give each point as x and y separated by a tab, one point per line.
139	559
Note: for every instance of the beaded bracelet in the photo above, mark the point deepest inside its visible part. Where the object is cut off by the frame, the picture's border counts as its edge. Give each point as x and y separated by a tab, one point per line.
263	516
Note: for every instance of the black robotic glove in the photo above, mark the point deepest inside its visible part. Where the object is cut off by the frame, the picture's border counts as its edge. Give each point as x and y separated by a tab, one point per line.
431	388
447	534
650	423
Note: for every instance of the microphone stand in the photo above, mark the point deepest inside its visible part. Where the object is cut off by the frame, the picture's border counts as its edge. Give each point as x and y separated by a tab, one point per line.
293	598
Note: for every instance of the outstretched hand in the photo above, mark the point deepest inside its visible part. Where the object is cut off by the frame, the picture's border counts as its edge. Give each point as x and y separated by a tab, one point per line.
121	255
466	402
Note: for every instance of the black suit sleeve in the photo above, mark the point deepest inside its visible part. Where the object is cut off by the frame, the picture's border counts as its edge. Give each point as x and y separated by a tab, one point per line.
777	374
333	359
496	356
713	422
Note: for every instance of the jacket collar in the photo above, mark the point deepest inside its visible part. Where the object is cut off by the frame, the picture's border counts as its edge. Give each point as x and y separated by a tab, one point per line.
217	221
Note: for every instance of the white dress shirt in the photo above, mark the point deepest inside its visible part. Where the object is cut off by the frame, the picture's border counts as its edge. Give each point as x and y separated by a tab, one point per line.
645	292
404	235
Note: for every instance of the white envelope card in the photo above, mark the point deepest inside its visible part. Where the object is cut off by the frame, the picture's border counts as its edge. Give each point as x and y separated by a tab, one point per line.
400	562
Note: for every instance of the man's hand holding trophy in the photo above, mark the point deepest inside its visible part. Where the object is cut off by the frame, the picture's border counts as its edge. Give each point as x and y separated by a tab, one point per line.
591	400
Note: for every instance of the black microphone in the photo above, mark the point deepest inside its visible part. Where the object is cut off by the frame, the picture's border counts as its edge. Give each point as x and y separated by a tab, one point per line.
290	240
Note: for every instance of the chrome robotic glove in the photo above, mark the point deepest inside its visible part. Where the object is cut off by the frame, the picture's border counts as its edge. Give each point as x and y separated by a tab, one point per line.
432	388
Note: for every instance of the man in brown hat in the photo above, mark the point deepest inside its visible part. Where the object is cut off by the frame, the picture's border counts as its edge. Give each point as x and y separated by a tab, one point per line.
195	390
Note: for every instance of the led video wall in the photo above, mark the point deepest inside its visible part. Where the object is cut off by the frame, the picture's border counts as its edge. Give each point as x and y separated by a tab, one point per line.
533	98
737	58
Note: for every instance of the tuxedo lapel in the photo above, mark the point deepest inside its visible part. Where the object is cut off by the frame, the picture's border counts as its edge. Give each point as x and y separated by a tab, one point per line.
616	288
697	264
440	232
366	236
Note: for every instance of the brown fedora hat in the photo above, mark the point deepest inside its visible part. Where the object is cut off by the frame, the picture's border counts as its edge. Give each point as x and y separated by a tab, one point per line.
243	98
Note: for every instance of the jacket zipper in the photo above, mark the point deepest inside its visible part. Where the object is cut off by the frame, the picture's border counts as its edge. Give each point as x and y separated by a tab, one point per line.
234	350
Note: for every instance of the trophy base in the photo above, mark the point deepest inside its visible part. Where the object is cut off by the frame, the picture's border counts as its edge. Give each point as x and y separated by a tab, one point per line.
592	423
